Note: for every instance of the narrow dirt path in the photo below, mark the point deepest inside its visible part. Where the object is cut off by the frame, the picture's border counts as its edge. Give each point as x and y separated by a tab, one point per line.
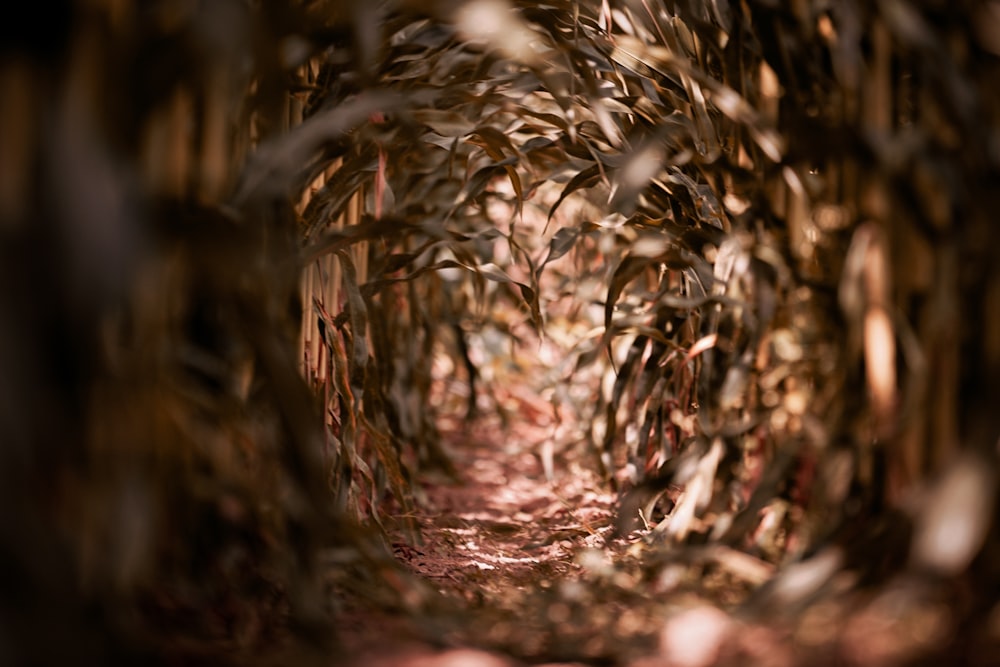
516	556
507	529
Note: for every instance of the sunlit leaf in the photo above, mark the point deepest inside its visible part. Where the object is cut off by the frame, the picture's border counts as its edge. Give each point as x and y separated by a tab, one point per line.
586	178
445	123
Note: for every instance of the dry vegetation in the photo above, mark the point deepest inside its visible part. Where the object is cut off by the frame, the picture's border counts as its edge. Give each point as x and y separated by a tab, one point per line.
253	253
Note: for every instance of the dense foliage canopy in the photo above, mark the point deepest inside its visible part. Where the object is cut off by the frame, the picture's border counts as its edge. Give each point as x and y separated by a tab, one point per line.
238	240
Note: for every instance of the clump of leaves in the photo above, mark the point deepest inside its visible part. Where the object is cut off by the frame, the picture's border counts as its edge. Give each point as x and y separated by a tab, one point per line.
776	367
163	460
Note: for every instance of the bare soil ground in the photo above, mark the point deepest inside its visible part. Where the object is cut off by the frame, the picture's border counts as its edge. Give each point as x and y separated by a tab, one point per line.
499	542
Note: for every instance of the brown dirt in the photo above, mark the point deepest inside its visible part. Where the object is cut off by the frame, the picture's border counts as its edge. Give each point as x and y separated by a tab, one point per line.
500	539
505	526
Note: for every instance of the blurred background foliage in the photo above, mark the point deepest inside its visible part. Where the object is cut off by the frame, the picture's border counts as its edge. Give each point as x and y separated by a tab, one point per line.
243	241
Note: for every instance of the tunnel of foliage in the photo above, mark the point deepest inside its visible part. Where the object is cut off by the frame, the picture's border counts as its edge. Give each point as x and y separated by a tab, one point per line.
236	235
